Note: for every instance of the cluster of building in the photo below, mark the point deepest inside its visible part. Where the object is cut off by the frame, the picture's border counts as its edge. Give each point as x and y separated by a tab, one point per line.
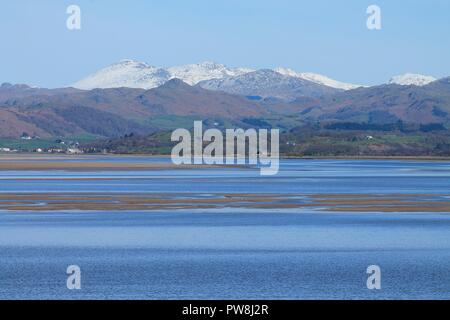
65	147
45	150
59	150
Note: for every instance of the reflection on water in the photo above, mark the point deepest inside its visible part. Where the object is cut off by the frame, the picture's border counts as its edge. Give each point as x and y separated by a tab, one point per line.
230	253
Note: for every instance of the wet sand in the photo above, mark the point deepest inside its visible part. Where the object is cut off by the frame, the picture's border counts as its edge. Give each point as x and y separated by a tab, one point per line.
94	166
85	163
417	202
170	201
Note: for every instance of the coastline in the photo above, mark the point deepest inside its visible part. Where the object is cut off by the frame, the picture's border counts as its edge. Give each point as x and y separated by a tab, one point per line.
42	156
411	158
79	163
103	166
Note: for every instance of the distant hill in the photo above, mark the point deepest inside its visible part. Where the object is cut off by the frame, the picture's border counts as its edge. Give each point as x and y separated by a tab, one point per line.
261	98
386	104
317	78
135	74
268	83
112	112
409	79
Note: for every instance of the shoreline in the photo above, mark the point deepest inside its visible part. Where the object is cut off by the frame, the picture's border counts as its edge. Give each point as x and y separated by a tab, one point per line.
102	166
411	158
132	162
28	155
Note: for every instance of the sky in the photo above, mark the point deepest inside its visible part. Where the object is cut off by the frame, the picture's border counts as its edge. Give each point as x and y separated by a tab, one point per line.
322	36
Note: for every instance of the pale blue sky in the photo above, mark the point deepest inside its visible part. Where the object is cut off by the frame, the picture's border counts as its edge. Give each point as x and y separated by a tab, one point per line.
323	36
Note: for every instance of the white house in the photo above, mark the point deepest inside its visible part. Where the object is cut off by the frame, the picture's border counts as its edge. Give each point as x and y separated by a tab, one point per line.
74	151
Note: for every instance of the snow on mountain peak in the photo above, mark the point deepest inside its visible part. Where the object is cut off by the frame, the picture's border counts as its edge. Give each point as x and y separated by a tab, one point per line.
317	78
208	70
132	63
126	73
136	74
211	65
268	83
409	79
287	72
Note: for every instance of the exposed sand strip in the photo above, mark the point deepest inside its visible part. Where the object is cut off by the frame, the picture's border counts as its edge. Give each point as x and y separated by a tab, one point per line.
171	201
99	166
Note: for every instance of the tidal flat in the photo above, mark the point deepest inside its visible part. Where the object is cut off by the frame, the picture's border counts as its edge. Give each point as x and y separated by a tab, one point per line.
169	201
140	230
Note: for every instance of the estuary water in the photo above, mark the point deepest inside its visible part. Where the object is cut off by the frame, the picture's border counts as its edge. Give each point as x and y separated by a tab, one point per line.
229	252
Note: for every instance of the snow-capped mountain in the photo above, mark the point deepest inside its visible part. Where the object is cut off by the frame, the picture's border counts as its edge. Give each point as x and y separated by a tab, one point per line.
126	73
135	74
194	73
268	83
409	79
317	78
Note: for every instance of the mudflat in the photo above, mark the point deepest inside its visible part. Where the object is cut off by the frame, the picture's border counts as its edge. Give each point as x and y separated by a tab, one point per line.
172	201
42	162
215	189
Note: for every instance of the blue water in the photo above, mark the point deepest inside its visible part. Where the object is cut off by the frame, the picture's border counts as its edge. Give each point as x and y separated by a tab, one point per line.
230	253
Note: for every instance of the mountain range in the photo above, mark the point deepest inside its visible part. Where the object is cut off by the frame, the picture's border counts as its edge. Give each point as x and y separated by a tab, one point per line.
133	97
267	83
136	74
